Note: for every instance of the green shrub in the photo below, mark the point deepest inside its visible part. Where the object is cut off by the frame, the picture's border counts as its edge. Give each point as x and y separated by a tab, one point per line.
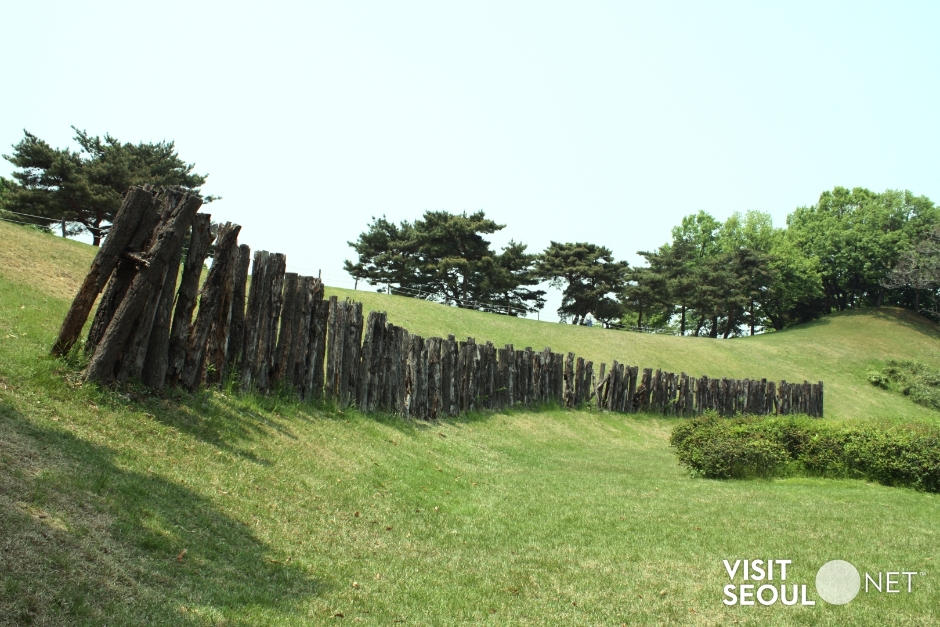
744	447
913	378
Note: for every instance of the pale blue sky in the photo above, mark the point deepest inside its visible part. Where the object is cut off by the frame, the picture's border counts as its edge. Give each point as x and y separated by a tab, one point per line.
601	122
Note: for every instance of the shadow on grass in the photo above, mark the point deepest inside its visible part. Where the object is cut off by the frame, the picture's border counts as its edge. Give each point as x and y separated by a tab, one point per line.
87	541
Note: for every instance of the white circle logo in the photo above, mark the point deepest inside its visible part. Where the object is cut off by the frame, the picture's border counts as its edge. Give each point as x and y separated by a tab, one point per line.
838	582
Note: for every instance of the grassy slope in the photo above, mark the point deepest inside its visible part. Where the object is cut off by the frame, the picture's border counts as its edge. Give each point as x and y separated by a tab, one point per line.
519	518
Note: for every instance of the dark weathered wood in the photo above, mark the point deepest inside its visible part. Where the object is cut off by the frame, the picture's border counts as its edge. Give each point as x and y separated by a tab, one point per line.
435	405
217	364
265	299
130	259
200	238
292	311
422	381
590	382
296	371
404	346
215	302
336	332
131	363
316	343
353	341
448	372
472	374
512	395
236	339
569	395
158	347
184	206
613	386
138	202
371	363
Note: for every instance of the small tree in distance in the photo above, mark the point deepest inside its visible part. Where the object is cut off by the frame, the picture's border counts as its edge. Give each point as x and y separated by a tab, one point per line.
444	257
589	278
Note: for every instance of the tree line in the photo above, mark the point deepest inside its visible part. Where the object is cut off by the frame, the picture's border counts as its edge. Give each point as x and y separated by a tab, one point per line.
80	191
853	248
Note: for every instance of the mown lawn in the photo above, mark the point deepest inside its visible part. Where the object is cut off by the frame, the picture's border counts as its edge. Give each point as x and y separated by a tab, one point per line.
549	518
122	508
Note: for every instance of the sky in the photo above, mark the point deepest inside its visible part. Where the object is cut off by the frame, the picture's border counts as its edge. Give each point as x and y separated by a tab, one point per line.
604	122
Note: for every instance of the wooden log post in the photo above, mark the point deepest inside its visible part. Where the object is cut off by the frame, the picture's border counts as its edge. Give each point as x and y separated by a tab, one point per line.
403	344
570	382
138	203
435	402
476	383
488	375
630	398
371	362
132	360
288	328
180	216
819	397
613	386
259	269
391	361
588	381
201	237
123	275
512	377
316	344
157	354
449	388
215	303
578	397
297	357
416	379
236	339
265	299
268	322
600	388
502	368
217	364
353	340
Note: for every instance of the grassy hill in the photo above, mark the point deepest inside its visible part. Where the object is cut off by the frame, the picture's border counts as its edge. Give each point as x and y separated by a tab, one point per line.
120	507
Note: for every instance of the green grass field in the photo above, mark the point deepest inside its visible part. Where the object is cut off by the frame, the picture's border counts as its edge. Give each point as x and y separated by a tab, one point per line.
122	508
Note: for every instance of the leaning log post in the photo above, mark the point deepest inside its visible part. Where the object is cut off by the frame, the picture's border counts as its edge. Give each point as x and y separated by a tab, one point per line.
131	362
158	347
200	238
138	202
184	207
214	306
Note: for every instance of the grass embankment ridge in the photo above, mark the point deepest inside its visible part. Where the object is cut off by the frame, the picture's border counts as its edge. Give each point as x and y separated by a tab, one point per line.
529	518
